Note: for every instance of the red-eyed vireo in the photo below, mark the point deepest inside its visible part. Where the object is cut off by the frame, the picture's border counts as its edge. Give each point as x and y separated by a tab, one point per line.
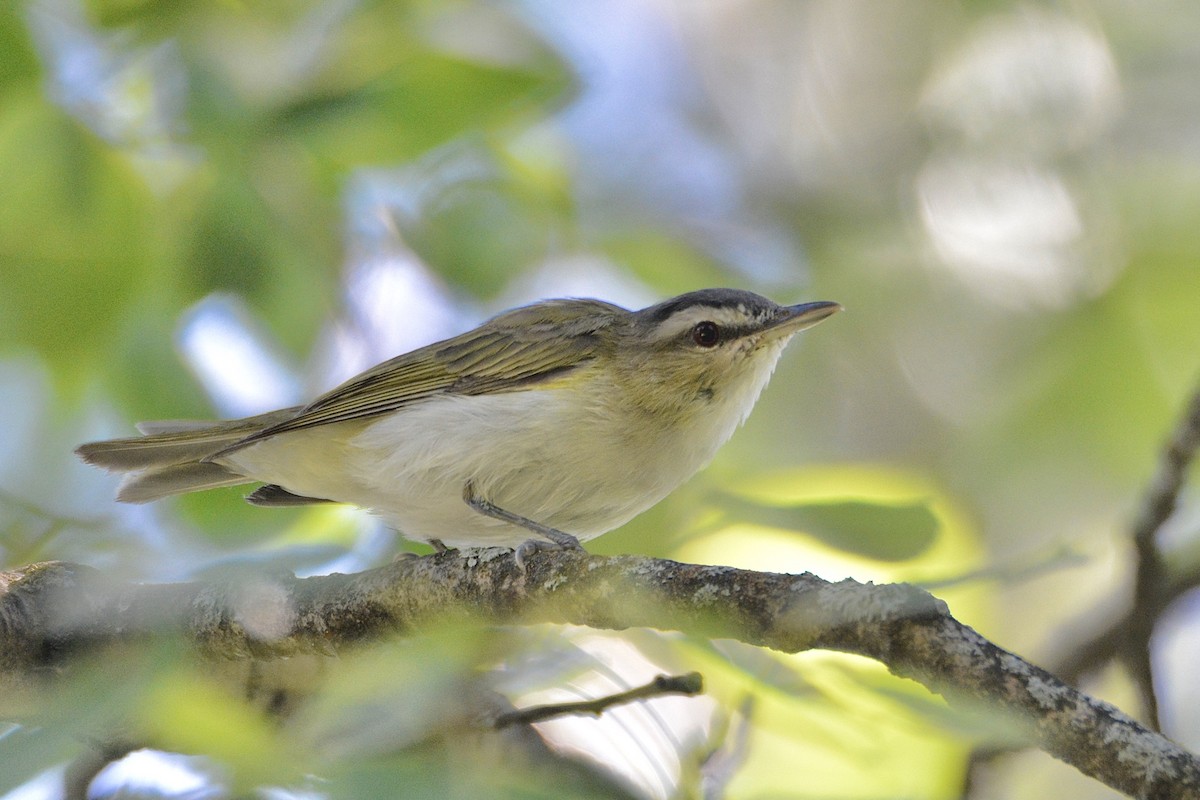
564	418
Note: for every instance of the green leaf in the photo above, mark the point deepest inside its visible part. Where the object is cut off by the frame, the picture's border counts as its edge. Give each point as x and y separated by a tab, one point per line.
405	111
188	712
475	216
885	531
377	93
74	232
19	67
479	238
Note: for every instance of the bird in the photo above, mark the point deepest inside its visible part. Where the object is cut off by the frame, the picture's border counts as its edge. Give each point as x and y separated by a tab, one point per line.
546	426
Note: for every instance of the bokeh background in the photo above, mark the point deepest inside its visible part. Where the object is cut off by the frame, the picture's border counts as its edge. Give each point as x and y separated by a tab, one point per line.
214	209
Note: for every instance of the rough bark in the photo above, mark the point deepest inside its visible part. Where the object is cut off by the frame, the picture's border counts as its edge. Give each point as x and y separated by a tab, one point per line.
50	611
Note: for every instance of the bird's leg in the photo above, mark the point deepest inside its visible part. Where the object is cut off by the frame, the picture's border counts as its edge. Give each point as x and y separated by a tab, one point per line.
439	546
554	539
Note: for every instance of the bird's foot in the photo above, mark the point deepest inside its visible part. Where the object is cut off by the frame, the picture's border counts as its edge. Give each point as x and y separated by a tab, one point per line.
551	538
555	540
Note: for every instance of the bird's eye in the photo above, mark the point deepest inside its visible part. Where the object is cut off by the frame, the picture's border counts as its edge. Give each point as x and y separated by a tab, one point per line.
706	334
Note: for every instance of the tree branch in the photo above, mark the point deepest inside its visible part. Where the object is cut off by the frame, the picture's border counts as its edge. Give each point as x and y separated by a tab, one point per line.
50	611
1155	587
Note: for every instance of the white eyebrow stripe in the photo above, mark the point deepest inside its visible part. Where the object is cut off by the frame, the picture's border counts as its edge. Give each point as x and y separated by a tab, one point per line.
685	319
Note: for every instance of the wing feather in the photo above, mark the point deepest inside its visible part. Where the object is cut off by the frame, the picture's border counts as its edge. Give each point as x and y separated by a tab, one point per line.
523	346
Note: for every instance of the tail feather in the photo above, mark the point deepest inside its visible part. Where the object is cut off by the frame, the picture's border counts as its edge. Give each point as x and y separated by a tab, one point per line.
151	452
156	426
175	442
153	484
172	457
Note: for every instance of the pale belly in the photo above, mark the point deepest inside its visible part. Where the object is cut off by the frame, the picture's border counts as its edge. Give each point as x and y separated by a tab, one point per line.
527	452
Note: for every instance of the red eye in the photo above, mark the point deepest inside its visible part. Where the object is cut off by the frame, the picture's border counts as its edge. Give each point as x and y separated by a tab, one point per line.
706	334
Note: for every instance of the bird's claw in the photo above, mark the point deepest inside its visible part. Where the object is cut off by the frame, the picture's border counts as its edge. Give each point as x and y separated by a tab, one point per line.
557	540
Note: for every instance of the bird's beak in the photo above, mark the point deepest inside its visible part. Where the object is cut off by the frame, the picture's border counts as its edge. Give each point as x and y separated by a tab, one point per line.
800	317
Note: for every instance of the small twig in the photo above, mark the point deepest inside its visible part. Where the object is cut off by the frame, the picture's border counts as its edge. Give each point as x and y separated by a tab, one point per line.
1163	492
1128	637
690	684
1150	596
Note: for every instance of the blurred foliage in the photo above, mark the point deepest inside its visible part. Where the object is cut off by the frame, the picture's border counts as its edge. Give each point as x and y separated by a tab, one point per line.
888	532
74	227
1002	194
